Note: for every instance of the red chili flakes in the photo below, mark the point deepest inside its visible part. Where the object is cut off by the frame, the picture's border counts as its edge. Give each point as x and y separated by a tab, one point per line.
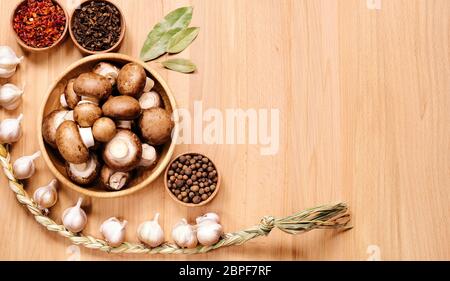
39	23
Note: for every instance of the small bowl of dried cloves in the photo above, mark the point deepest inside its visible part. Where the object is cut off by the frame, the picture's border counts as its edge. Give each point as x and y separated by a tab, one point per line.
97	27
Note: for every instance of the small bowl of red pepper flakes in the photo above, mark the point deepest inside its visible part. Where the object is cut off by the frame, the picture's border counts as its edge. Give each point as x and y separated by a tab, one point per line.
40	24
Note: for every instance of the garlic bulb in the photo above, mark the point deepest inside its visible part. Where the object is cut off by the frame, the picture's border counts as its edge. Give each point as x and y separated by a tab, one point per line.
10	96
74	218
209	229
184	235
151	233
8	62
10	130
113	230
24	167
46	196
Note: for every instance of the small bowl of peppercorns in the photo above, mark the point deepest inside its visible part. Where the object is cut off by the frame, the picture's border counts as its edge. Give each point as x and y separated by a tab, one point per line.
192	179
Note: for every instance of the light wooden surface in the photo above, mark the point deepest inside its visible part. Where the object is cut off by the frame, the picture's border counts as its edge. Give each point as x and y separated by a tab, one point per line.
364	96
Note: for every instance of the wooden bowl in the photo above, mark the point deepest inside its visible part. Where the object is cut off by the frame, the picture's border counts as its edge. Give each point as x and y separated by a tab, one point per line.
192	204
113	48
51	102
32	49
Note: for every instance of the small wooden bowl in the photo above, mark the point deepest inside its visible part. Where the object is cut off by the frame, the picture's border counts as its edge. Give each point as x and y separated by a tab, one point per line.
51	102
45	49
192	204
113	48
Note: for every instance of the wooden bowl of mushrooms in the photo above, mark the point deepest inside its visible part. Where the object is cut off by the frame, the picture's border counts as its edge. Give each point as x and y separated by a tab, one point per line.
105	126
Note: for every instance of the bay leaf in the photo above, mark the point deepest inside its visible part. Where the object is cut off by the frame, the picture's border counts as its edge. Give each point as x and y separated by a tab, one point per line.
182	39
157	40
180	65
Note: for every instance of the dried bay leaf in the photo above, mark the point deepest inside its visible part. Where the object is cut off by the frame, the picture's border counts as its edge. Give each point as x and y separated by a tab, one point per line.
180	65
159	37
182	39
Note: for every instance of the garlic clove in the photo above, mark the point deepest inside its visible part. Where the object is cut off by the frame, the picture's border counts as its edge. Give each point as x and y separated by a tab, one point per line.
13	105
113	230
10	130
24	167
184	235
46	196
151	233
74	218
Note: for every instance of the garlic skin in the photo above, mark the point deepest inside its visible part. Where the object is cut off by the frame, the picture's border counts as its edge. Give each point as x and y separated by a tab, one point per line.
184	235
151	233
24	167
74	218
8	62
209	229
46	196
10	96
113	230
10	130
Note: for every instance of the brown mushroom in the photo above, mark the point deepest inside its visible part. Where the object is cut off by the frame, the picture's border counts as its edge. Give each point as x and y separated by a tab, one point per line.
113	180
156	126
92	85
149	100
86	113
69	99
50	125
124	152
149	156
84	173
107	70
122	108
70	143
131	80
104	129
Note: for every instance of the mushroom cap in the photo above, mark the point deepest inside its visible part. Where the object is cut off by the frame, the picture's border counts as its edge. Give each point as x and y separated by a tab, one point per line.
131	80
85	173
149	100
122	108
72	99
124	152
92	85
104	129
156	126
113	180
69	143
109	71
50	124
85	114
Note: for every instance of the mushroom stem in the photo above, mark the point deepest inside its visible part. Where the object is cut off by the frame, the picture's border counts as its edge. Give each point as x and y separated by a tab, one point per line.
119	149
87	137
63	101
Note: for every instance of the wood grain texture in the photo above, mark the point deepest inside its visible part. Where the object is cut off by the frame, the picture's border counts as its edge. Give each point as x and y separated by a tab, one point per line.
364	100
